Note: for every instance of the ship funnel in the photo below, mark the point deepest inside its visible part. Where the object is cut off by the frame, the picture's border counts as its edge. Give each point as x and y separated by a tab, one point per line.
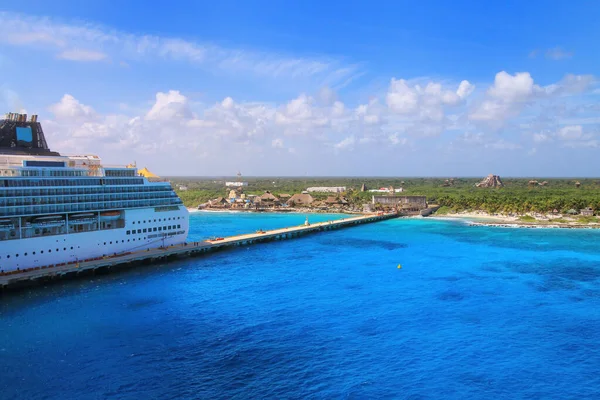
34	118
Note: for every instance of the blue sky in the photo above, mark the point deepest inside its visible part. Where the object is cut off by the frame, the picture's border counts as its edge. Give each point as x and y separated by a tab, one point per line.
293	88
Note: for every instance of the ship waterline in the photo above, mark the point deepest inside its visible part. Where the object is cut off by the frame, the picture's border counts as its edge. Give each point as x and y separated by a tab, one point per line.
56	209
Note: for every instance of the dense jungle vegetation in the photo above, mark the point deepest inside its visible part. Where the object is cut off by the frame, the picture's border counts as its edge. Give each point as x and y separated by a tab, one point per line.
518	195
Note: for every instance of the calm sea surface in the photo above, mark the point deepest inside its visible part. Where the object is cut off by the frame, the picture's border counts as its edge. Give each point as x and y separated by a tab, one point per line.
474	313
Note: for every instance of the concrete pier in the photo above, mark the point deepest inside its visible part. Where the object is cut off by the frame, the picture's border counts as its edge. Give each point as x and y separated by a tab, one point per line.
21	279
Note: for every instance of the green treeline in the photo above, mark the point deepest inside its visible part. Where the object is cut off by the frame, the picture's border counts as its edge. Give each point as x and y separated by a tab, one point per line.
519	195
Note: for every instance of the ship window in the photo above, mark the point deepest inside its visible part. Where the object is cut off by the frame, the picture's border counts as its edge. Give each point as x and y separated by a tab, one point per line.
154	229
49	251
110	243
129	232
8	256
145	230
64	248
71	247
134	222
17	255
34	253
56	249
178	226
139	231
105	243
42	251
25	254
160	228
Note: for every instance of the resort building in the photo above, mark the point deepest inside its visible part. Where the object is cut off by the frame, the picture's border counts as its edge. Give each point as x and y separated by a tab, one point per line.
325	189
587	212
405	203
387	190
236	184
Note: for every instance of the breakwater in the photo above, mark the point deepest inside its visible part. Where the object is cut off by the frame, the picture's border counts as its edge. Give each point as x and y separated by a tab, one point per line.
23	279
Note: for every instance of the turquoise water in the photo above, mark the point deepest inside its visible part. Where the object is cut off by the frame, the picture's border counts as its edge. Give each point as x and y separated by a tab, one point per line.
474	313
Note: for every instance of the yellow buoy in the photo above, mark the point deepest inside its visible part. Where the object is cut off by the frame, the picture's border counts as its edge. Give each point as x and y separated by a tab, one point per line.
399	266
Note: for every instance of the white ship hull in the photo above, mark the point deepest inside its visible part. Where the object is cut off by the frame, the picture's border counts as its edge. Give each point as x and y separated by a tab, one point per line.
57	249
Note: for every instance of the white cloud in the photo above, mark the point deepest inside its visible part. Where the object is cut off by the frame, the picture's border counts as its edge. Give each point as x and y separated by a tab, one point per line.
81	55
503	145
512	88
557	53
70	108
307	126
406	98
401	98
46	34
347	143
396	140
338	109
465	89
541	137
571	84
573	132
327	96
592	144
510	94
169	106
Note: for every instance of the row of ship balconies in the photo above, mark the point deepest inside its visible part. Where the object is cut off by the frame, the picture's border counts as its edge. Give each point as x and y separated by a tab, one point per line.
87	206
81	190
51	182
84	198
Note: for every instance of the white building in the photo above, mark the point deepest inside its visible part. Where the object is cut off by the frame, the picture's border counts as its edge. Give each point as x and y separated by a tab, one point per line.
183	188
386	190
324	189
236	184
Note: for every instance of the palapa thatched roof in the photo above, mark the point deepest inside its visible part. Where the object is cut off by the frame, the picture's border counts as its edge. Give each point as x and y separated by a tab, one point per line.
301	198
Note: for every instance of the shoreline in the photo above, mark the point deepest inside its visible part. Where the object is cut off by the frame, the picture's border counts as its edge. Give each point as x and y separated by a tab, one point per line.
476	218
480	218
286	211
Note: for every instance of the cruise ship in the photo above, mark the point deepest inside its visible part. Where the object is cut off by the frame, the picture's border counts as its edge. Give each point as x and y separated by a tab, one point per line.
65	209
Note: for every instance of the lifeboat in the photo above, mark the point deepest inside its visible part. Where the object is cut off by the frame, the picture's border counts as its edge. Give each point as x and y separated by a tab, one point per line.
110	215
82	215
48	218
52	220
6	224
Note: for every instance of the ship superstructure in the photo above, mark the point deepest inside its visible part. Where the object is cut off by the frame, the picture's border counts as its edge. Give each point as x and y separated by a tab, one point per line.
56	209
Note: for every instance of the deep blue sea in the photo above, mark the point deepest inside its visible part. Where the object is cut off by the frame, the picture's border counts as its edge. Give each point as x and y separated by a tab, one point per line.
474	313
